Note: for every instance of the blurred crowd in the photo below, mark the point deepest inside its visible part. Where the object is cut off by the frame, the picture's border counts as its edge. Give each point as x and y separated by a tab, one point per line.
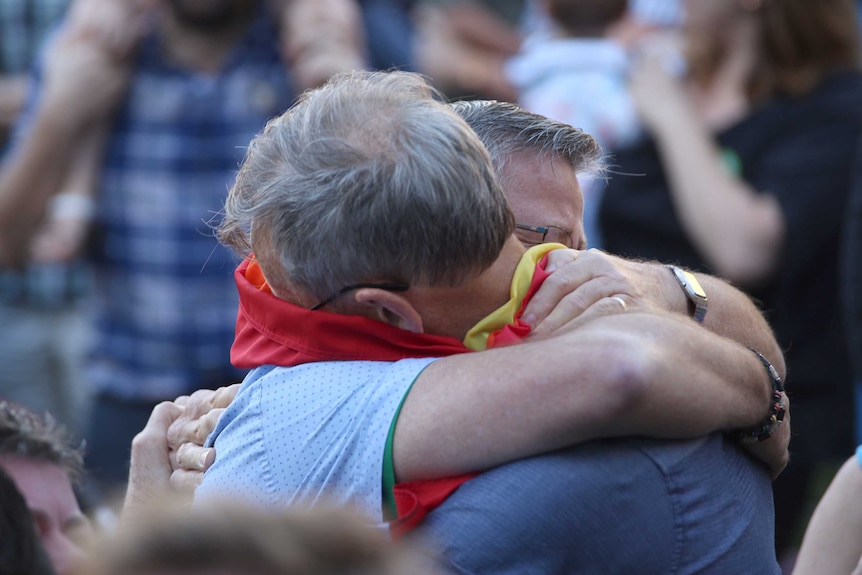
730	132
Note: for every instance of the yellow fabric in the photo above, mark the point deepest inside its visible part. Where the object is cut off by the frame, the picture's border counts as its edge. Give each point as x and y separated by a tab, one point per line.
477	338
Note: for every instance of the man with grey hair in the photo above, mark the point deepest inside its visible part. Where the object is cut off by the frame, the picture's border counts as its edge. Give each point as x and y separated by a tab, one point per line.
371	166
39	457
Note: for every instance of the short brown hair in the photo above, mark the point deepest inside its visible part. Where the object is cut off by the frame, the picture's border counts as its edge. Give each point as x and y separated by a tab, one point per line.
587	17
24	433
228	536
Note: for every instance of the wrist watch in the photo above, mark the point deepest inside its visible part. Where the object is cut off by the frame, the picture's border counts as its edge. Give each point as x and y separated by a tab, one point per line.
693	291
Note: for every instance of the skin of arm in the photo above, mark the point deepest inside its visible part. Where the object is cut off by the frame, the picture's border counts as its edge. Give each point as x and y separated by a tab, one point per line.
13	94
580	279
321	38
64	231
592	277
833	539
638	373
85	74
150	468
738	231
34	172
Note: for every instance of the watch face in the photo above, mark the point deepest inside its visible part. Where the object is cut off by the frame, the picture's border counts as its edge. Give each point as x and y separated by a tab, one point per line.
694	285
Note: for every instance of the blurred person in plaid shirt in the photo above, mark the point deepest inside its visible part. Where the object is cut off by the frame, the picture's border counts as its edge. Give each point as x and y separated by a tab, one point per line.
171	91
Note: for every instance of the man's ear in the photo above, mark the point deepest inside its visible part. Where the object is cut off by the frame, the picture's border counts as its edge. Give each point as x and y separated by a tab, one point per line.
389	307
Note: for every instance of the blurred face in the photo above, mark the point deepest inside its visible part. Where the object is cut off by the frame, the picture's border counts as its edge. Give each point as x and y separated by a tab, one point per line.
59	521
544	192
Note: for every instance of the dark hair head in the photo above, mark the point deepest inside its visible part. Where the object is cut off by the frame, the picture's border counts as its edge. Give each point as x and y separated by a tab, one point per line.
587	17
506	128
24	433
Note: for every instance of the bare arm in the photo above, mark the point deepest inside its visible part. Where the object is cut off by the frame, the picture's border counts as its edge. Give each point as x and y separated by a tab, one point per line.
321	38
580	279
739	231
70	212
84	77
833	539
624	374
13	94
603	383
31	176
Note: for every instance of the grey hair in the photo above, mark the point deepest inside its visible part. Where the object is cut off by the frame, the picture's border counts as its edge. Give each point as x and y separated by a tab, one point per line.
369	178
506	128
25	433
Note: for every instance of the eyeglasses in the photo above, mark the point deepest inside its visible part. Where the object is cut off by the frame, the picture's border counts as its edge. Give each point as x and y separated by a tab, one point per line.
351	287
550	234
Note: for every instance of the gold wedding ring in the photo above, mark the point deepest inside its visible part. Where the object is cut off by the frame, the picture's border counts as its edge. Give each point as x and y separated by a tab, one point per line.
622	302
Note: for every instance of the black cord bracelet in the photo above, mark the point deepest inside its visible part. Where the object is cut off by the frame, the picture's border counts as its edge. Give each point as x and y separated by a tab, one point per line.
764	430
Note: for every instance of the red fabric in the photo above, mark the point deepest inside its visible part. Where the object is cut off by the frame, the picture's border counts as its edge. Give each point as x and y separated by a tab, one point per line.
271	331
515	332
415	499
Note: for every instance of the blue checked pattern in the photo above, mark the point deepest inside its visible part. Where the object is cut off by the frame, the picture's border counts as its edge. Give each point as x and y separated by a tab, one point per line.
24	24
166	302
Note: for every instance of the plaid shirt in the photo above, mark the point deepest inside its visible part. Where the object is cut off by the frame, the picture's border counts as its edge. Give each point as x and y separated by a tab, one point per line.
24	24
165	298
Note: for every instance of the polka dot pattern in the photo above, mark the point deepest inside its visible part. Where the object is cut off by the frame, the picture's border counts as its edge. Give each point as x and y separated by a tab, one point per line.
309	433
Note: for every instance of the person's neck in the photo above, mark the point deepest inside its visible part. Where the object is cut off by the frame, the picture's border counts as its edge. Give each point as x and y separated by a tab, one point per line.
197	49
448	311
452	311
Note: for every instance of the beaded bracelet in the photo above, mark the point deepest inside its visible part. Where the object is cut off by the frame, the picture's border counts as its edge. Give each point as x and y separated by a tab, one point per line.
764	430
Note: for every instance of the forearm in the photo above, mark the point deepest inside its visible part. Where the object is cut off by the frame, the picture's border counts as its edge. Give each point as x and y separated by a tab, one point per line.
321	38
31	175
628	374
833	540
13	94
731	313
738	231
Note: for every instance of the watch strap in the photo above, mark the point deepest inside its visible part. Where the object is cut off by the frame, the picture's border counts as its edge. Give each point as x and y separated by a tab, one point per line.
693	291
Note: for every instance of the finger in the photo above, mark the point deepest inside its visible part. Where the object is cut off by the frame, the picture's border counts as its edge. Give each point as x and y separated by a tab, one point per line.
224	395
149	469
193	457
200	402
193	430
186	481
591	290
161	418
569	308
558	258
603	307
565	279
